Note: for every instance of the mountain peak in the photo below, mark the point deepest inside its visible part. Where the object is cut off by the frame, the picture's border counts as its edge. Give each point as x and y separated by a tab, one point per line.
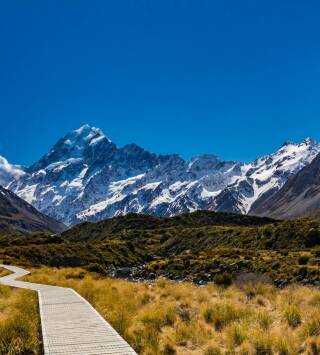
88	133
83	128
308	141
286	143
79	143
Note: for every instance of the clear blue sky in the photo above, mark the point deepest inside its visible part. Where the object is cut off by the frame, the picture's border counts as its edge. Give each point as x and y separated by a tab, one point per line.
234	78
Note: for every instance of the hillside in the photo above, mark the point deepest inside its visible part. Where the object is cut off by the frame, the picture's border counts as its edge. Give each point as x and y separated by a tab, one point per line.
19	217
300	196
136	223
195	247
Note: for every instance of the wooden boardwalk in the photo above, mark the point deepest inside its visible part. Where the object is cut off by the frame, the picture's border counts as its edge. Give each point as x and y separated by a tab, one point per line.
70	325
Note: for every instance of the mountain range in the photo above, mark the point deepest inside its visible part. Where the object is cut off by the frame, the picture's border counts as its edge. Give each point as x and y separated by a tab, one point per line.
86	177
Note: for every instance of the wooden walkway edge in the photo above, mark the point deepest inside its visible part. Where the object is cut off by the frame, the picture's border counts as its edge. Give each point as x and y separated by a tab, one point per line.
70	325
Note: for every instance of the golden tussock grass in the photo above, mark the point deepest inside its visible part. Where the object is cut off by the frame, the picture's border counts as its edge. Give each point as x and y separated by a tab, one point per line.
4	272
166	318
19	322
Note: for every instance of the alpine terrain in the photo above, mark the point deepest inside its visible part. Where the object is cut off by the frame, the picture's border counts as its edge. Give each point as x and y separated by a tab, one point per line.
85	176
19	217
300	196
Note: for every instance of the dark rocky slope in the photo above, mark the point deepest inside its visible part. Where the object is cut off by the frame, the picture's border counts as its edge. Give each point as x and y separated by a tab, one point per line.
299	197
19	217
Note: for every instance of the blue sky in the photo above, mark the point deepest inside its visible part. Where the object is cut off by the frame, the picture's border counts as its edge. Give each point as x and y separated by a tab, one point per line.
233	78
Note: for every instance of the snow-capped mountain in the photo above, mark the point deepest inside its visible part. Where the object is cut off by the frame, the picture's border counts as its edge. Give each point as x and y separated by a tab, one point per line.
299	196
9	172
87	177
268	174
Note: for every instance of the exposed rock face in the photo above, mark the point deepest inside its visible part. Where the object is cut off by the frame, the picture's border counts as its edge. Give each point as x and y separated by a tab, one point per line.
300	196
17	216
87	177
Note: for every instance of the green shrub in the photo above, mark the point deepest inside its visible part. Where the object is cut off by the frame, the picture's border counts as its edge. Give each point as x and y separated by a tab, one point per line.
303	260
96	268
224	279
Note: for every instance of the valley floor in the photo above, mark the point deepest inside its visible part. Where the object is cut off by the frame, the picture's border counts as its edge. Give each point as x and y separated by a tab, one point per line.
168	318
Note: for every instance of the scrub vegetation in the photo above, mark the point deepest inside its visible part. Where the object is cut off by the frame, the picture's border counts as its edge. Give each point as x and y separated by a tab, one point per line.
197	247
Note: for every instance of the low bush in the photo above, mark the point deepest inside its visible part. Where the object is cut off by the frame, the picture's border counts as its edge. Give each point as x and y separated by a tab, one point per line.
224	279
303	260
96	268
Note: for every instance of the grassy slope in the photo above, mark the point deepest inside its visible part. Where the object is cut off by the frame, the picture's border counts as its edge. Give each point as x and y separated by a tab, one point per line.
166	318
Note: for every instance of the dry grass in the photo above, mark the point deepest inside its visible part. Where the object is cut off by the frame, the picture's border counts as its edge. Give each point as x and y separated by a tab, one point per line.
19	322
4	272
169	318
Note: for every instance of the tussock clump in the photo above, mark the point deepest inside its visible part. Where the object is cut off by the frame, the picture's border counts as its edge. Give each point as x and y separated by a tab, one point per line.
221	314
311	328
259	289
264	319
315	300
262	342
183	312
237	334
283	346
292	315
